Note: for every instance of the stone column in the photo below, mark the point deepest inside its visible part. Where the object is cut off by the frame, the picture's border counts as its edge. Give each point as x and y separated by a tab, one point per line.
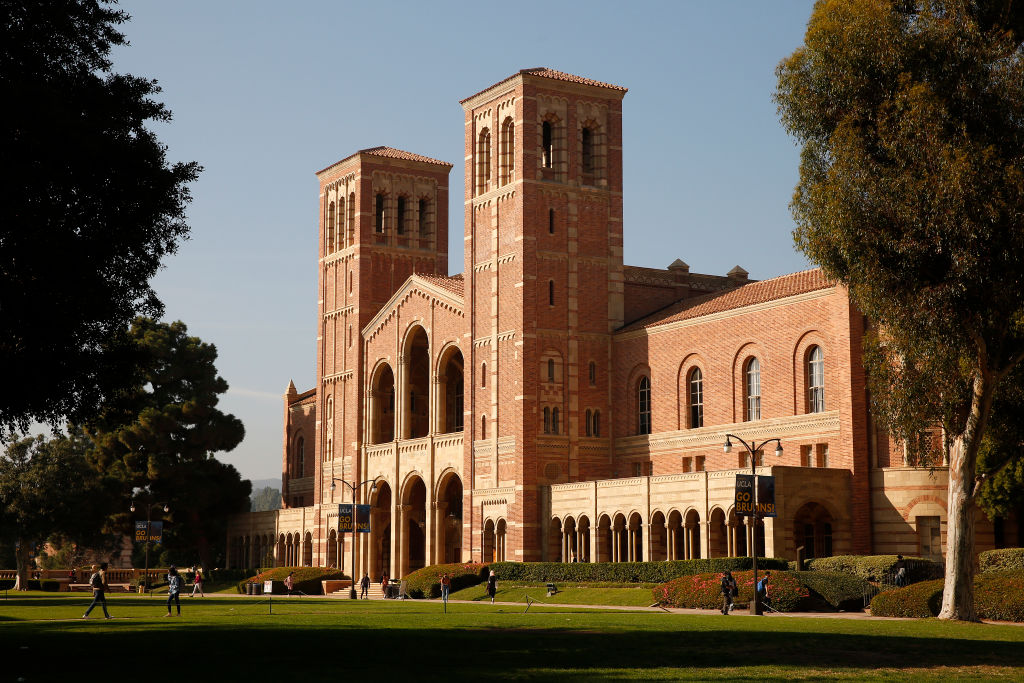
440	532
687	546
402	398
705	548
749	525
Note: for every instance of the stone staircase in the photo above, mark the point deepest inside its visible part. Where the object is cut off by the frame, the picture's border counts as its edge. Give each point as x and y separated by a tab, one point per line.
373	593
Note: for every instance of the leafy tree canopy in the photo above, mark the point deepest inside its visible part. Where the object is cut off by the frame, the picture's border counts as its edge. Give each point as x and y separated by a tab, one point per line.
267	498
89	212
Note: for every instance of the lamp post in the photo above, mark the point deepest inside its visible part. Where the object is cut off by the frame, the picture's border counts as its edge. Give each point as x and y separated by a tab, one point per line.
353	488
752	448
149	511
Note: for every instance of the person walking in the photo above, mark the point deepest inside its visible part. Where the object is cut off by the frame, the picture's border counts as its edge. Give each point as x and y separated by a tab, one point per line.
289	583
98	582
492	586
446	587
901	571
197	582
364	587
173	589
728	588
384	584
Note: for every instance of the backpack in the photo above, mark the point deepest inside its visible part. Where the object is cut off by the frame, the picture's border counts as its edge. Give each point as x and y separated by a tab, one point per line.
95	581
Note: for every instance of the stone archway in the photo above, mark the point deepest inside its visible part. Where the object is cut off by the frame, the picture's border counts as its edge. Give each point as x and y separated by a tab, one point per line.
448	523
583	553
659	537
692	534
718	542
500	534
380	530
605	539
813	526
636	538
332	549
416	385
451	389
676	540
382	405
620	547
569	539
489	546
414	526
307	550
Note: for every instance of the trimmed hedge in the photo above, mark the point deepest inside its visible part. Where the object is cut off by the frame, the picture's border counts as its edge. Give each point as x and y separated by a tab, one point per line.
1004	559
877	568
626	572
307	579
997	595
32	585
426	582
704	591
842	591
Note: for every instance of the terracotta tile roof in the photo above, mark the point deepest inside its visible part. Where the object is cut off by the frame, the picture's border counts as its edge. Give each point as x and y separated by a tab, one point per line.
747	295
390	153
308	394
454	284
545	72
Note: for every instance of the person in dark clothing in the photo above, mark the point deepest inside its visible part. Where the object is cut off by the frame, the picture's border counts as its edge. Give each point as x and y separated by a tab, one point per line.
364	587
901	571
728	589
98	582
173	589
762	591
492	586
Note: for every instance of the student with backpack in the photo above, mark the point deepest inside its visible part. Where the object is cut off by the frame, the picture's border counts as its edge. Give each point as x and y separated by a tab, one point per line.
98	583
173	589
728	591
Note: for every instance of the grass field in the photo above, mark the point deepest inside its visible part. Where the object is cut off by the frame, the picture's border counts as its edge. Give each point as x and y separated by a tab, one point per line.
568	595
236	639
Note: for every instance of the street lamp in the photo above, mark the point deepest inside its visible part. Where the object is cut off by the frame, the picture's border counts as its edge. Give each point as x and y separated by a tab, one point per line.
149	510
752	448
353	488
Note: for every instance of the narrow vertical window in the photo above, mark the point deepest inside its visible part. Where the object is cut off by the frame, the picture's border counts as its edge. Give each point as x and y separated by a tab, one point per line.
644	406
547	150
378	213
400	217
587	157
597	423
551	370
551	221
554	421
300	458
329	229
589	423
350	335
551	292
696	398
508	153
483	375
547	420
753	389
483	161
816	380
483	427
350	278
351	218
341	223
424	221
592	373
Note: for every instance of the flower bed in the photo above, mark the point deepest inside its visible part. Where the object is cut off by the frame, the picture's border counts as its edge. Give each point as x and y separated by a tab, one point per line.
704	591
426	582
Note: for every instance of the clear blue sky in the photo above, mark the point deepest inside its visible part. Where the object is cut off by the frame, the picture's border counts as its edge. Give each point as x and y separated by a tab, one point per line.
266	93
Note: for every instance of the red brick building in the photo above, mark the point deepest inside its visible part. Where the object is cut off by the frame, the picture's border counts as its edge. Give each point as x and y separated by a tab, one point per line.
552	403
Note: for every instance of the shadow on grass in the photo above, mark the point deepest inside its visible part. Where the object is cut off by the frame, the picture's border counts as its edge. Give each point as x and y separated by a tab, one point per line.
507	651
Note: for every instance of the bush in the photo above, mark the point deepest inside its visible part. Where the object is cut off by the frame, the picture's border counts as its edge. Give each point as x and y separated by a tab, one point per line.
842	591
224	575
918	600
877	568
704	591
307	579
1004	559
426	582
625	572
1000	595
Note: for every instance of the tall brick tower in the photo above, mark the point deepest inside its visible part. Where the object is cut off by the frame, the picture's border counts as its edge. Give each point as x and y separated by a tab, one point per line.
543	252
383	216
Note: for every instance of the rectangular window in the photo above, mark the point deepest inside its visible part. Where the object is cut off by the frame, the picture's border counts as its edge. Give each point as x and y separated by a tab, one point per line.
424	221
928	538
378	224
400	223
822	454
805	457
637	469
700	463
687	464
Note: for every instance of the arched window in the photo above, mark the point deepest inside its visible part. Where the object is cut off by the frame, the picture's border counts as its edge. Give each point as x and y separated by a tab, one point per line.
351	218
330	228
378	213
551	292
400	216
508	151
644	406
300	458
350	278
816	380
597	423
696	398
554	421
592	373
483	375
753	389
547	420
551	221
551	369
424	218
546	144
483	161
589	423
483	427
587	148
341	222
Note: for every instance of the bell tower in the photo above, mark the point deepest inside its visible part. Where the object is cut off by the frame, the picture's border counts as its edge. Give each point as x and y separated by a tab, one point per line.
543	261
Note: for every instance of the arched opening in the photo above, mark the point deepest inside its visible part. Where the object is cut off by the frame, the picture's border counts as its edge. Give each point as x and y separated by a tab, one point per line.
659	537
605	539
812	529
332	549
718	544
307	550
643	406
752	389
737	536
449	520
620	547
489	552
555	540
380	530
583	539
692	535
451	390
414	517
416	393
547	144
281	559
815	380
676	540
569	540
483	161
636	538
382	406
508	150
500	533
329	229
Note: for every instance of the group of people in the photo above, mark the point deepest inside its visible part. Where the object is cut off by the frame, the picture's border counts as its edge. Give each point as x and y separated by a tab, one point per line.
730	590
98	584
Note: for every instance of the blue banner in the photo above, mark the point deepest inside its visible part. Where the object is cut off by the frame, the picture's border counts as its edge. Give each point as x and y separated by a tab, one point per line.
345	517
363	519
152	534
745	496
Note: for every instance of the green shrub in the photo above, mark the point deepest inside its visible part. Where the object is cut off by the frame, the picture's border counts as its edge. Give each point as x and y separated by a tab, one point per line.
624	572
6	584
224	575
704	591
917	600
842	591
877	568
306	579
1000	595
1004	559
426	582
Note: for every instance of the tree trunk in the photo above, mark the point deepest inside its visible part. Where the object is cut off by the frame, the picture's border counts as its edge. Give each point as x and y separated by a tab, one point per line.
21	564
958	593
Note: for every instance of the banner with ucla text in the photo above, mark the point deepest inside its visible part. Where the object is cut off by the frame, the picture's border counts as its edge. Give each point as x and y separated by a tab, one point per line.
745	496
345	517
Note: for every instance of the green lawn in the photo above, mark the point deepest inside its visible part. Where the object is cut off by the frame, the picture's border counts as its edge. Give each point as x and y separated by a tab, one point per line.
235	639
569	595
